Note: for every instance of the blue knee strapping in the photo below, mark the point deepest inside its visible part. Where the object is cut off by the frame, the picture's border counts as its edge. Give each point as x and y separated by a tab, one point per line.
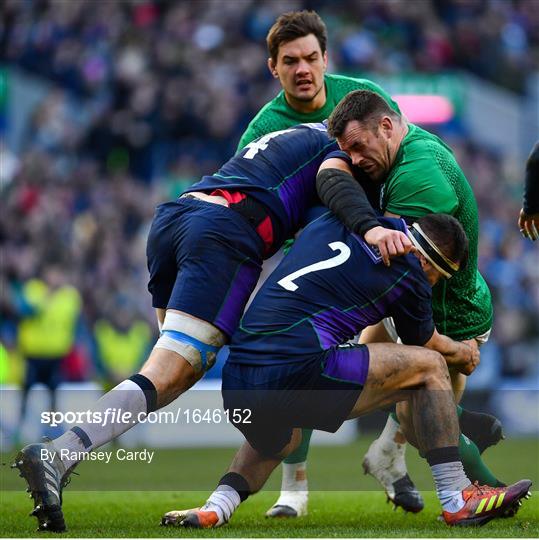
202	348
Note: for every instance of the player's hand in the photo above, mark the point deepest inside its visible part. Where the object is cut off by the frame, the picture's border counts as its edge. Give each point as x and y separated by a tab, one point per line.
473	357
529	225
389	242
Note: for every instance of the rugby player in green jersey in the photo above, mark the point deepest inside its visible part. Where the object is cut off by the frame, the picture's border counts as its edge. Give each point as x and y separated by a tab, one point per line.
419	176
298	59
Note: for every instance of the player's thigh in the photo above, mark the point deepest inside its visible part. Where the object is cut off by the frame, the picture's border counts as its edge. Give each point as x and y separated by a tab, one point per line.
376	333
458	383
394	370
217	262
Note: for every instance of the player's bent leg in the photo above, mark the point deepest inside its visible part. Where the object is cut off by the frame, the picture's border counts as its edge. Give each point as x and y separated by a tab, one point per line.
394	370
174	365
474	467
385	458
246	475
436	429
186	349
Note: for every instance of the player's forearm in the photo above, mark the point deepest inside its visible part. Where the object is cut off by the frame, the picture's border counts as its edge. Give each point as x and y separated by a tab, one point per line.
457	354
531	185
343	195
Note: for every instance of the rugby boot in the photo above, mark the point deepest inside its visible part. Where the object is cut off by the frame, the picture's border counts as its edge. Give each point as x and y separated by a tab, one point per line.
46	476
202	519
175	517
484	503
483	429
387	465
290	504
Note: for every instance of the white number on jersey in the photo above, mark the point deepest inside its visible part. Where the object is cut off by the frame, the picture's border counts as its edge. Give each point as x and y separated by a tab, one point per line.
262	143
344	254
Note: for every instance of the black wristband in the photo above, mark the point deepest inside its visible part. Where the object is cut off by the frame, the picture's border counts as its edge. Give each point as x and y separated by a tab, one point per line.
343	195
530	204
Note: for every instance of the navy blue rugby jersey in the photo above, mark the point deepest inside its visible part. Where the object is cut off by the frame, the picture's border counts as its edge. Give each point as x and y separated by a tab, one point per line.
279	170
329	287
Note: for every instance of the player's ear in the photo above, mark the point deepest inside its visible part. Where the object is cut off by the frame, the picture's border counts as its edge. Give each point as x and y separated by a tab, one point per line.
425	264
386	125
325	58
272	67
433	275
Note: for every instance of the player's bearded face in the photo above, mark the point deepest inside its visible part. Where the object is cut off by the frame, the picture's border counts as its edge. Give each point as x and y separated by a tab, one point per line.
369	148
300	68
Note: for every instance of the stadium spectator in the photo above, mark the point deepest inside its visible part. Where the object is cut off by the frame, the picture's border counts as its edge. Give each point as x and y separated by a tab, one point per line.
47	329
122	343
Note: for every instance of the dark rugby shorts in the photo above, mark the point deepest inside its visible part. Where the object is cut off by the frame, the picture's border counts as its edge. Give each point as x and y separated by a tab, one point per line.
318	393
204	259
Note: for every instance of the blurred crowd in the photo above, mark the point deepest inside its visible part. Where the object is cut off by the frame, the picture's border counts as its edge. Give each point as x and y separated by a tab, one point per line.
165	77
146	96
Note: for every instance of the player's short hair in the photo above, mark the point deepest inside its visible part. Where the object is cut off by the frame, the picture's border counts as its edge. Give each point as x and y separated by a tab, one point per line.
448	235
293	25
361	105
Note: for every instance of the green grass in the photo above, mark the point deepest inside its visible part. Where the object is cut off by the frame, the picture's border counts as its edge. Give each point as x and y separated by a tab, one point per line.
343	503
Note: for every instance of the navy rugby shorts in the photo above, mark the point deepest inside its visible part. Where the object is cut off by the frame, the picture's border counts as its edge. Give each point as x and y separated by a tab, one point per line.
317	392
204	259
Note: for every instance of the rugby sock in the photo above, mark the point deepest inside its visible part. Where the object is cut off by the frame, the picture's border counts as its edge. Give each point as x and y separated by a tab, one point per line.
473	465
136	395
449	477
392	431
299	455
232	490
294	477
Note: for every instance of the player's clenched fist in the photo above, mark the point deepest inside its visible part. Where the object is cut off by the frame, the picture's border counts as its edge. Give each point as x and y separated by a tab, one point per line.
389	242
473	358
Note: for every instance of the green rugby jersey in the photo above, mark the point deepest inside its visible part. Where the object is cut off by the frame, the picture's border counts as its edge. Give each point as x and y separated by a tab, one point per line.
277	114
424	179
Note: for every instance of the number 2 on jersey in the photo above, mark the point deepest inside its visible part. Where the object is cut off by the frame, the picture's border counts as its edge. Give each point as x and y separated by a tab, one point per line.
344	254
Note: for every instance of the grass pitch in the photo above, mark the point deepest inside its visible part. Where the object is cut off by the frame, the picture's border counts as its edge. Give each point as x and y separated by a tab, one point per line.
128	499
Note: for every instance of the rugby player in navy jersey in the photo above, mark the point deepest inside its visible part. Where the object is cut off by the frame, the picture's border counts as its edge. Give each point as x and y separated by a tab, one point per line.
290	367
205	252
